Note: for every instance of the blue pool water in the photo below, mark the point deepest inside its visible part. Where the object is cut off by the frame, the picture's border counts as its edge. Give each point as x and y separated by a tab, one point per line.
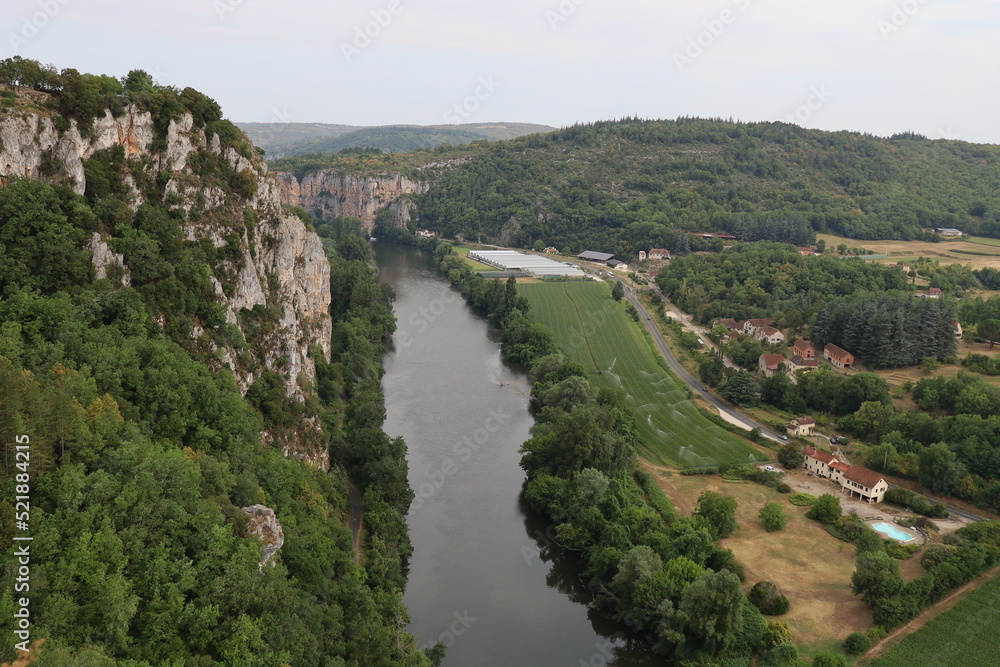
893	532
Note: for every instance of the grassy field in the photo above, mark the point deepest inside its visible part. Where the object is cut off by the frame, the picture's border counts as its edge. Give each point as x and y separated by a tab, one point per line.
963	635
978	251
594	330
811	567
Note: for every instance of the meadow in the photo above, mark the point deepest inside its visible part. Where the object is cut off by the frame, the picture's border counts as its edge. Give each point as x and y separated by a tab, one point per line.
594	330
979	252
963	635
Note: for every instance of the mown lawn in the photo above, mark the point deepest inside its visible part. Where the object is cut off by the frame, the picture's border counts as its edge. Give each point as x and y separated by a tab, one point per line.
594	330
964	635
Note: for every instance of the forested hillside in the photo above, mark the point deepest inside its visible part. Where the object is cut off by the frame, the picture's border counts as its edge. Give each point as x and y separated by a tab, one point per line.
313	138
154	296
632	184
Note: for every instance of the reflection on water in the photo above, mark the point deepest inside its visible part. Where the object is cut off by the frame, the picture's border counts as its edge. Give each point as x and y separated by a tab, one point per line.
484	577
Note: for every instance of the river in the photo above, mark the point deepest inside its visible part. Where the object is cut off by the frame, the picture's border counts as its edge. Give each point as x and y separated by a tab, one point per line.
483	577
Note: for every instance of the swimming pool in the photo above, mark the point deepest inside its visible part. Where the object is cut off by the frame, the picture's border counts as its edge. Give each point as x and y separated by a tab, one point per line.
893	532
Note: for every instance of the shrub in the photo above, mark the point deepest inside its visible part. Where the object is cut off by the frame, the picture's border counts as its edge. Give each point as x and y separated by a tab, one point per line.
876	633
827	659
856	643
825	509
937	554
783	488
783	655
772	517
765	596
802	499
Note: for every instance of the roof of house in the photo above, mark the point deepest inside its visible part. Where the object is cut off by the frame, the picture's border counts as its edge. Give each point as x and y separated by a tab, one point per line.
803	344
727	322
842	467
768	330
863	476
819	454
614	263
837	351
772	360
948	229
934	290
797	360
596	256
803	248
658	251
804	421
759	322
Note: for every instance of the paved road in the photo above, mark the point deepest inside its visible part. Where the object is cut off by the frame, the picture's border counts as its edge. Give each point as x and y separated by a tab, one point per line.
687	377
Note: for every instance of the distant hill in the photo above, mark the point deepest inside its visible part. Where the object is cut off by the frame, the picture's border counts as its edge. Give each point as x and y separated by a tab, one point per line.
287	139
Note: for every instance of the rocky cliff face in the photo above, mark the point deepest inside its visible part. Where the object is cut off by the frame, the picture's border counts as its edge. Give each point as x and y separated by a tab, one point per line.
335	194
273	263
262	522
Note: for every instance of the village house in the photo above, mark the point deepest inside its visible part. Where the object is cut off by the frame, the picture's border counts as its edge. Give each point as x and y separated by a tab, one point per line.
801	426
551	251
932	293
868	485
642	255
752	327
797	363
770	364
424	233
617	265
805	251
659	253
727	322
770	335
838	356
804	349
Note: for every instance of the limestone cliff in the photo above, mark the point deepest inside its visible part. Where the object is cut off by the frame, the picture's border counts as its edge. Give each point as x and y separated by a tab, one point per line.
262	522
271	262
334	194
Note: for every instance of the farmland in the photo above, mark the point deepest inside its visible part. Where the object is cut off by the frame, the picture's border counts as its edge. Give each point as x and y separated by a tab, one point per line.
979	252
595	331
963	635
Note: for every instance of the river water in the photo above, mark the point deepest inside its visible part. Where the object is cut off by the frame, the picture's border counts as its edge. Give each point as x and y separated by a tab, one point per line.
484	579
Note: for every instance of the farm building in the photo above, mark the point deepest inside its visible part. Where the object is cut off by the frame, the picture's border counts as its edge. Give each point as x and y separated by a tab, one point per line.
590	256
617	265
532	265
838	356
947	231
659	253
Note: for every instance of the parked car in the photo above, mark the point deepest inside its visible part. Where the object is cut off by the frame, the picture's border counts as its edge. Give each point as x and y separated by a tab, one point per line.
783	437
769	468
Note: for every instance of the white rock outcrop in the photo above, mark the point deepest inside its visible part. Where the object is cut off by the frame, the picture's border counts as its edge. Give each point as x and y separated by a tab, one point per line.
262	522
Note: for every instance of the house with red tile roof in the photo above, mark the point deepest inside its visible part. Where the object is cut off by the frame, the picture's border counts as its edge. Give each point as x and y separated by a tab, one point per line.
752	327
866	484
770	335
769	364
838	356
804	349
932	293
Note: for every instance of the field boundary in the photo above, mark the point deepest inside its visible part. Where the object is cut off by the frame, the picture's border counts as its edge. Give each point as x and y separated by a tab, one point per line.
928	615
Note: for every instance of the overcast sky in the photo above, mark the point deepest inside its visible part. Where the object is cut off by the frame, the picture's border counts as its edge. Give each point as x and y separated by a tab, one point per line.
879	66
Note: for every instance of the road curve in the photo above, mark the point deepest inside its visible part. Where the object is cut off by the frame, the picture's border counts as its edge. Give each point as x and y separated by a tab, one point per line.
687	377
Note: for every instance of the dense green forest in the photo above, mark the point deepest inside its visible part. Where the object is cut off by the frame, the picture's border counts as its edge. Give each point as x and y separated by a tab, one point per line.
621	186
143	450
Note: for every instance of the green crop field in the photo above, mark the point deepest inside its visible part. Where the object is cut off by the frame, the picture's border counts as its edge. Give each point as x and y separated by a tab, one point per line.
982	240
594	330
964	635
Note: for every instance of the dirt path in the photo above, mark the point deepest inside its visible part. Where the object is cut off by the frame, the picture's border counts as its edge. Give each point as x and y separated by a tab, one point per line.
357	519
928	615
